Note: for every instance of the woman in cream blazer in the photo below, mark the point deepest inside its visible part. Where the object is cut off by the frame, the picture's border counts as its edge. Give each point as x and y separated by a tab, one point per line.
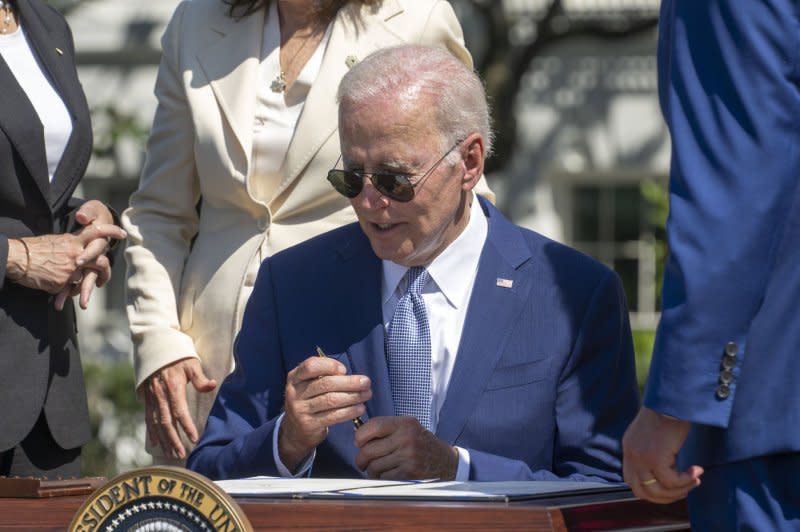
199	225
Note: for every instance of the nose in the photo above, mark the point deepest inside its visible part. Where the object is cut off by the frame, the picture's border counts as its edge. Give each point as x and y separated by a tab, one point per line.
370	197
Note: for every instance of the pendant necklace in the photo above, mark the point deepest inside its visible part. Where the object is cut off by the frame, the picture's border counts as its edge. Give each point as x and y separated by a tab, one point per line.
279	83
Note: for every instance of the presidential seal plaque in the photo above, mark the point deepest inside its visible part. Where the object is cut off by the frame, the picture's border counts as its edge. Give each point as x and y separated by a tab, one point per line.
162	498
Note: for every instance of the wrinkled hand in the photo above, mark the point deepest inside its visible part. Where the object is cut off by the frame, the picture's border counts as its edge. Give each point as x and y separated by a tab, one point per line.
399	448
55	259
95	268
319	394
165	406
650	446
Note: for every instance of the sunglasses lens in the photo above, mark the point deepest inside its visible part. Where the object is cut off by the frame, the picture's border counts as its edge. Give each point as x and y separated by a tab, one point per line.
396	187
347	184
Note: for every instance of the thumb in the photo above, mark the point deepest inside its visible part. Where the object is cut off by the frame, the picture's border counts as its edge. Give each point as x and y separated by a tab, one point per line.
199	379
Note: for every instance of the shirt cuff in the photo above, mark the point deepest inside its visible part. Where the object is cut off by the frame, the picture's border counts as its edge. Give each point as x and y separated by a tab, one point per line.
462	473
305	468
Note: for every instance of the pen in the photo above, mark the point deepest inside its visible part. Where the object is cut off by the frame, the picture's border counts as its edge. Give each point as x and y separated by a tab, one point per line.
357	420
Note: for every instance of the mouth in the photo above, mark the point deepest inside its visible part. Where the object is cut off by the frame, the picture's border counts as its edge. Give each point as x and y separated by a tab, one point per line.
383	227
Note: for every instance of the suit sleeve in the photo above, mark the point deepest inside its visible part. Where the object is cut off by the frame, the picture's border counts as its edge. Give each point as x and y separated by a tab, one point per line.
162	220
728	84
237	441
3	259
597	397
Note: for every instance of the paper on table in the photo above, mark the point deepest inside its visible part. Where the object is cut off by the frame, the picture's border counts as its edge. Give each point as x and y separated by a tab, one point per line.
288	487
421	490
500	491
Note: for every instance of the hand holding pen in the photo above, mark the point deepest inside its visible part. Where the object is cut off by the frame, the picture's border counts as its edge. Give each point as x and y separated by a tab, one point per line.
356	420
319	393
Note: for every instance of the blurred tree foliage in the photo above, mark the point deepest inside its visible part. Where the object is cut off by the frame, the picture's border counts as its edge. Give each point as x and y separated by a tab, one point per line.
656	196
118	430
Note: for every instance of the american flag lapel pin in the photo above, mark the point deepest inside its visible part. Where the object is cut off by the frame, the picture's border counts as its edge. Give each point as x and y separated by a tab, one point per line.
504	283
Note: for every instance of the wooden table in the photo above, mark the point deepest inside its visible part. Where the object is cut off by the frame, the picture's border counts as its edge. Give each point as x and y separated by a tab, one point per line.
610	511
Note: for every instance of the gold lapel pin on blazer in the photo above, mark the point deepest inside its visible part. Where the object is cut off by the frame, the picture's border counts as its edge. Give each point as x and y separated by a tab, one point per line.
59	51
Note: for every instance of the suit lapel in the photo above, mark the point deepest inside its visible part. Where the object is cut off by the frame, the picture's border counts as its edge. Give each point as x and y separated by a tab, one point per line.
232	68
356	33
492	314
361	287
22	126
47	40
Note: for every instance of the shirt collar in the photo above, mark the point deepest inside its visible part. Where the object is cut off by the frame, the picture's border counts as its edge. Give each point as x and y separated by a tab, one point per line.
454	268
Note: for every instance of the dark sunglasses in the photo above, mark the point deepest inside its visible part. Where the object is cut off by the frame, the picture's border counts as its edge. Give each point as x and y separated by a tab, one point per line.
350	183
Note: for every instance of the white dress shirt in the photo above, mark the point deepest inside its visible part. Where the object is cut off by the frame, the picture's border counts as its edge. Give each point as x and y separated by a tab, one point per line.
15	48
446	296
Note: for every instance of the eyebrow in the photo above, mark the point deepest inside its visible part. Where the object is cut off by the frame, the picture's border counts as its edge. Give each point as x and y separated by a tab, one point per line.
396	166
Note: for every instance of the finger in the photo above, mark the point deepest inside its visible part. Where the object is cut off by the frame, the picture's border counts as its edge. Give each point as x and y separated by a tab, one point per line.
376	428
313	368
180	413
372	450
102	231
61	298
168	432
103	270
150	421
84	217
166	429
93	210
199	379
87	285
384	467
93	251
354	384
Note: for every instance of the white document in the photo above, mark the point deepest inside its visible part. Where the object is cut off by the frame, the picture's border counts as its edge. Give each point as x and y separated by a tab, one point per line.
417	490
288	487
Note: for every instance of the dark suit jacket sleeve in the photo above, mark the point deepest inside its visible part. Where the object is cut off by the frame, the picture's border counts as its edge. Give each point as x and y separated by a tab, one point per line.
3	259
728	82
597	398
237	441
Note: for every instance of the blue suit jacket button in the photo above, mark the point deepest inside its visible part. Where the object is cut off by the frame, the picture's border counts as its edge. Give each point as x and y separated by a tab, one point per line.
723	391
726	377
728	362
731	349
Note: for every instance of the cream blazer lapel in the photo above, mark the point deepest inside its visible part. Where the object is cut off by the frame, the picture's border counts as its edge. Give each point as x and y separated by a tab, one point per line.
231	65
357	31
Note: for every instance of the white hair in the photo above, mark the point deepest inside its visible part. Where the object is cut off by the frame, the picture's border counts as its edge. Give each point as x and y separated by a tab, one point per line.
405	74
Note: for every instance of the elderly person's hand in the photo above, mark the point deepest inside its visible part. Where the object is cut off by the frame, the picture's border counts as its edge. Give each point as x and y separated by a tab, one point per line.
95	268
319	394
166	409
399	448
52	263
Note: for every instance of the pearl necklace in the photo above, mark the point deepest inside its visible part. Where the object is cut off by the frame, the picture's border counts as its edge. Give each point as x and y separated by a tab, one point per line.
5	5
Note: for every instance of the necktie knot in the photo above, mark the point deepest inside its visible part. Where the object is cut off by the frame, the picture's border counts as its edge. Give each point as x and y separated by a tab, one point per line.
416	277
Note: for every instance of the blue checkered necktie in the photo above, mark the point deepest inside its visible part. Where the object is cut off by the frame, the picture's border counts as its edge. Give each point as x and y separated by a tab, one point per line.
408	351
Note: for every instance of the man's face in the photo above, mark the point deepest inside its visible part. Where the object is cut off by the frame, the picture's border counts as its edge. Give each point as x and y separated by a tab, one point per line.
380	137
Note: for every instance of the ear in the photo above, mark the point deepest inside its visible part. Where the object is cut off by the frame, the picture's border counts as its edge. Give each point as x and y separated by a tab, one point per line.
473	158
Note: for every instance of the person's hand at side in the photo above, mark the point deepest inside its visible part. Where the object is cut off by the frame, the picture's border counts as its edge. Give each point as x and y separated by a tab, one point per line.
319	394
399	448
166	409
650	447
95	268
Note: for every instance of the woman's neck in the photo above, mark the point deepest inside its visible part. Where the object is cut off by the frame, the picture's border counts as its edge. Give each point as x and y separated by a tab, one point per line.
296	15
